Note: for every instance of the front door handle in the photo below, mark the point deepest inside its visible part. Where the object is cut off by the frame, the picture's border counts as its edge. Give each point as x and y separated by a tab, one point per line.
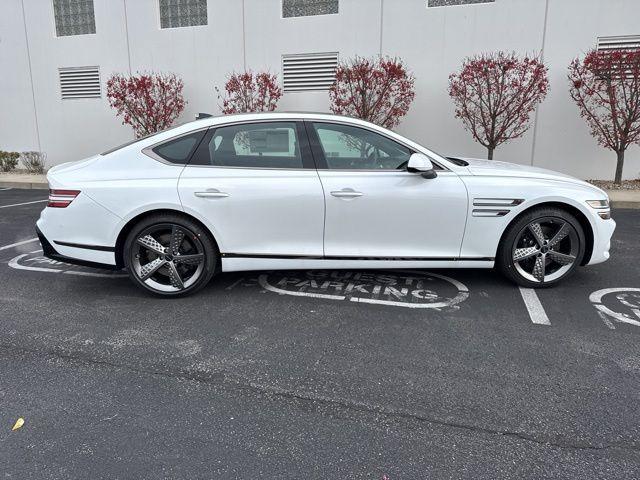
211	193
346	193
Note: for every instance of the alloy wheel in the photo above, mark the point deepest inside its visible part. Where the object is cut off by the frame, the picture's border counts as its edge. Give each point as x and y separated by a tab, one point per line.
168	257
546	249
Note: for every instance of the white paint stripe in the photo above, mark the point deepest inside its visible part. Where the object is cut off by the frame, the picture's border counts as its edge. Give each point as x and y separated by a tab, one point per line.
535	308
25	203
6	247
4	189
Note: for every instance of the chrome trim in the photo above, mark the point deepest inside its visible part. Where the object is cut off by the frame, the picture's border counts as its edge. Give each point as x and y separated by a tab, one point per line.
480	212
497	202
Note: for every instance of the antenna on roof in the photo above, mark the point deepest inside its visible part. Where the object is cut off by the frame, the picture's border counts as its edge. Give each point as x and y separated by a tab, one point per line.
201	115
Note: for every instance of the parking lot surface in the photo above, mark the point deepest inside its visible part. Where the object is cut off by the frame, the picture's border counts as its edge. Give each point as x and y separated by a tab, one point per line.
357	374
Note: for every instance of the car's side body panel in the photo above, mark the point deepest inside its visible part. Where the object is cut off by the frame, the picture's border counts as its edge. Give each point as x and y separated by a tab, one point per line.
257	211
494	201
397	214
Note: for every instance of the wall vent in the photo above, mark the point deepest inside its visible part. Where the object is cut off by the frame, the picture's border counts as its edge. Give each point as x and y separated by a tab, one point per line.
79	82
626	42
315	71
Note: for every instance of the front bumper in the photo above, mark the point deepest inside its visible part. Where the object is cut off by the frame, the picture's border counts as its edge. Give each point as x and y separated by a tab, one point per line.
602	234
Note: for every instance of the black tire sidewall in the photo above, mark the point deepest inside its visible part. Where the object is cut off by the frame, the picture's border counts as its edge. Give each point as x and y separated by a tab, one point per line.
210	252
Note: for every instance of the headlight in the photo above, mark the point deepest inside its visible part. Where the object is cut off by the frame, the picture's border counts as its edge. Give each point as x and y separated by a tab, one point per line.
602	206
598	203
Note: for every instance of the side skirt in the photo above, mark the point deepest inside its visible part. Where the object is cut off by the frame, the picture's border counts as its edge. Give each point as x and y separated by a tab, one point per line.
239	264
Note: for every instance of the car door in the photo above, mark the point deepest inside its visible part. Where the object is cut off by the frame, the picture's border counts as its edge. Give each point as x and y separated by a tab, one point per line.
256	186
374	207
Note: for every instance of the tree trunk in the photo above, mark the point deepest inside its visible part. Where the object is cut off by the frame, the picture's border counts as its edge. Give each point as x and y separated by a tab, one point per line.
619	166
490	152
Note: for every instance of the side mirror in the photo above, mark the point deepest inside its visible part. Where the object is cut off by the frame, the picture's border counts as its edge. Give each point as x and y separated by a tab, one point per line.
420	163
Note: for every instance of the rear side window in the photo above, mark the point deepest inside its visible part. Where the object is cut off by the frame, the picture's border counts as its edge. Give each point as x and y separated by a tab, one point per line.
252	145
179	150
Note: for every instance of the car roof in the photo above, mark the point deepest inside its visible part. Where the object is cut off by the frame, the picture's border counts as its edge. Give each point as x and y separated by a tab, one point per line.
288	115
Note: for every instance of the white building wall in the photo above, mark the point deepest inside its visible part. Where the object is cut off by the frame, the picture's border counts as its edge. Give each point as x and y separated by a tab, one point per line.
252	34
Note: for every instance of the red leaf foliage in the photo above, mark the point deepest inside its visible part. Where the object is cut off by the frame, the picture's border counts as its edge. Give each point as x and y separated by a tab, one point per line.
606	87
148	102
379	91
495	94
248	92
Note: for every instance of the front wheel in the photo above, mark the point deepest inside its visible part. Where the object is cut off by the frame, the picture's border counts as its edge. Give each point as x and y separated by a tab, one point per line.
169	255
541	248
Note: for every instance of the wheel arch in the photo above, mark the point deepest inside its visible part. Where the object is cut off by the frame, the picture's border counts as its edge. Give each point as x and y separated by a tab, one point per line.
576	212
124	231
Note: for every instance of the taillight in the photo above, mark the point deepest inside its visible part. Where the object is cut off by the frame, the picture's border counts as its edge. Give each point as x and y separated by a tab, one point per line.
61	198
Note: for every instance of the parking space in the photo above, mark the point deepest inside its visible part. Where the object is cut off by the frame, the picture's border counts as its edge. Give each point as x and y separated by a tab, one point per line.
320	374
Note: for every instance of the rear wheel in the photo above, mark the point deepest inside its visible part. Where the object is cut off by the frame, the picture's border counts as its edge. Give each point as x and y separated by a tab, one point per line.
541	248
169	255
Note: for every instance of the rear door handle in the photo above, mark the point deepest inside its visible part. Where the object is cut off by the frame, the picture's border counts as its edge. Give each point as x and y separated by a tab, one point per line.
346	193
211	193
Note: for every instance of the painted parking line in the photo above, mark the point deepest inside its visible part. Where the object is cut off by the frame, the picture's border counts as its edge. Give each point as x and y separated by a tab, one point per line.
534	307
25	203
17	244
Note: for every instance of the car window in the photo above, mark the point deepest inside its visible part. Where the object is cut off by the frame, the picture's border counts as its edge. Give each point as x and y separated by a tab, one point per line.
348	147
180	149
252	145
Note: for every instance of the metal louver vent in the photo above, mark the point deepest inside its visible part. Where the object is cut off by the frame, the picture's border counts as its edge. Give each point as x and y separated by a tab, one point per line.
315	71
627	42
79	82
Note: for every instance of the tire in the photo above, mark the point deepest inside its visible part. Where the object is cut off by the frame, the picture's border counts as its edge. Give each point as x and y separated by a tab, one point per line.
542	256
170	255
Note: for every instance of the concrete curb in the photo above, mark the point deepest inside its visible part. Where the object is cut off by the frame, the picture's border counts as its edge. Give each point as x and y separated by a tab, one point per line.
25	185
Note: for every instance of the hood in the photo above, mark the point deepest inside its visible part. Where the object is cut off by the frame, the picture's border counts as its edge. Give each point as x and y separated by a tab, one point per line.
479	166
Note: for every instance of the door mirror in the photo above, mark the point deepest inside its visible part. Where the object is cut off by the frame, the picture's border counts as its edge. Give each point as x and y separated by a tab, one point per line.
420	163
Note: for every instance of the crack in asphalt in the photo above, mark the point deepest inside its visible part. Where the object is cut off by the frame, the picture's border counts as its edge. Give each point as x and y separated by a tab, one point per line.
226	379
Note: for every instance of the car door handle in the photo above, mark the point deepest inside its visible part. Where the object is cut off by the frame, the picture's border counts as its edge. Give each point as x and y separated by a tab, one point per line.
211	193
346	193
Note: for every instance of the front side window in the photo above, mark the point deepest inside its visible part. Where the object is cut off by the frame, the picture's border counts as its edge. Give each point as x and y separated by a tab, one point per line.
180	149
252	145
182	13
353	148
74	17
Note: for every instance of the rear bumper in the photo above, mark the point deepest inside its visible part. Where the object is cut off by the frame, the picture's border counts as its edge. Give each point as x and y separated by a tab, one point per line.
50	252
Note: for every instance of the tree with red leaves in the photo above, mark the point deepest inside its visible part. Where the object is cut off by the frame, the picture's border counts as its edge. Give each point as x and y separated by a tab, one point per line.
379	91
148	102
495	94
606	87
248	92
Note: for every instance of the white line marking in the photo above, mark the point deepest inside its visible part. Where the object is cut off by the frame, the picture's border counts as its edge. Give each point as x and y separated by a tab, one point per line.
4	189
25	203
535	308
596	299
18	243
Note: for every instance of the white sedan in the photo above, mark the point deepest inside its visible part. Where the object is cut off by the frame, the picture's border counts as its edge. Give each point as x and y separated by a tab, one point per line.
313	191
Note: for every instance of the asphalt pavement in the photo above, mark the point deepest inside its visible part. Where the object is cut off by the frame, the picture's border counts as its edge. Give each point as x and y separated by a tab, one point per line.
324	374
